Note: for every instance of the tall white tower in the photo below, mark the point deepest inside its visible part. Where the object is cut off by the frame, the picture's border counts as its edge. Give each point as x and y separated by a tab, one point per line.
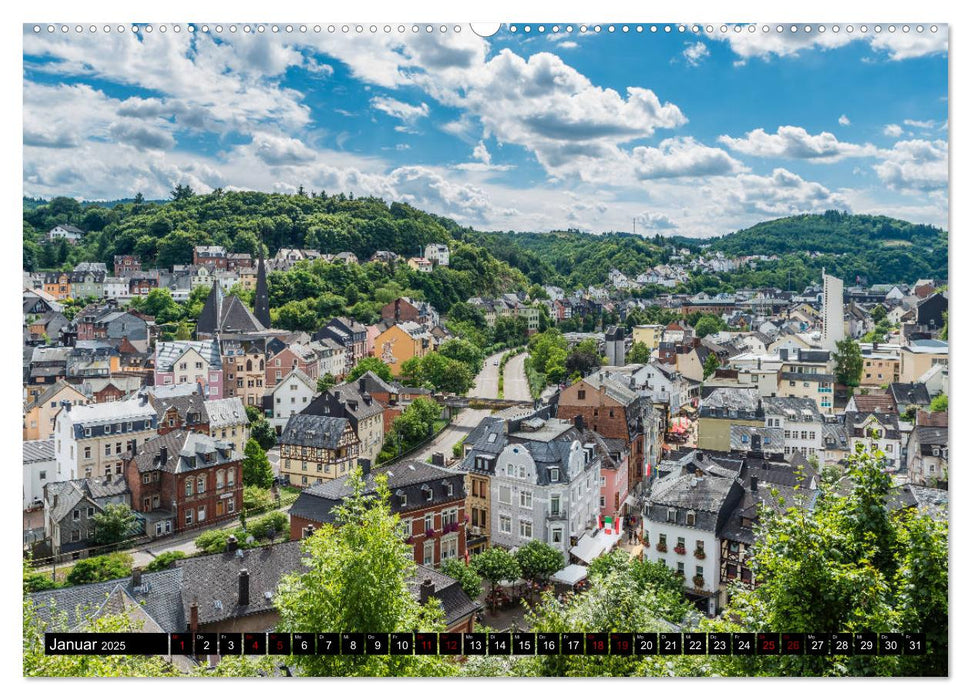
832	311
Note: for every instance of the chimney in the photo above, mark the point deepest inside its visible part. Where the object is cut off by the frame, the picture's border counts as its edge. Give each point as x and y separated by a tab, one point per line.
232	544
426	590
365	465
578	422
243	587
143	399
136	576
163	455
397	310
754	483
360	385
194	616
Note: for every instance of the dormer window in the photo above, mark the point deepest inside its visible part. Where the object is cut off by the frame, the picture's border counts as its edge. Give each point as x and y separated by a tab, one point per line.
107	430
671	514
554	474
689	518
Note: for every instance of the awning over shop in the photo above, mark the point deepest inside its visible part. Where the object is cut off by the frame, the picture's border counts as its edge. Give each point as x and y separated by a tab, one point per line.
592	546
570	575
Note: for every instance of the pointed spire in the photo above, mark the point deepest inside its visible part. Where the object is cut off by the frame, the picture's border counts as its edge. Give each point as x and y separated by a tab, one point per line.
212	312
262	301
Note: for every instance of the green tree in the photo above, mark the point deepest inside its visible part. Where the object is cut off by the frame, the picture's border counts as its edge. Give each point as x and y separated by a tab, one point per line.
256	467
358	578
639	353
466	575
711	364
939	403
538	561
103	568
849	362
263	433
496	564
326	382
165	560
463	351
708	324
879	313
370	364
114	523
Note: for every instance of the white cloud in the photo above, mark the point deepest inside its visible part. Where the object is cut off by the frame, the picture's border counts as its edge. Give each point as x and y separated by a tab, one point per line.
782	193
894	131
655	221
923	125
695	53
281	150
897	45
844	120
481	153
915	166
407	113
795	142
682	157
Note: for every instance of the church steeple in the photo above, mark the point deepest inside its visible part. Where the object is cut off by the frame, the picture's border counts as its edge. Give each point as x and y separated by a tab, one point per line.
261	303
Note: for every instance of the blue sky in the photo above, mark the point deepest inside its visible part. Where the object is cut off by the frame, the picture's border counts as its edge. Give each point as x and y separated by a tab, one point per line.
686	133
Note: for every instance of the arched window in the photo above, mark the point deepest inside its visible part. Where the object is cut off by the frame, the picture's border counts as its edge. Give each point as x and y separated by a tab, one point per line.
261	365
249	365
201	484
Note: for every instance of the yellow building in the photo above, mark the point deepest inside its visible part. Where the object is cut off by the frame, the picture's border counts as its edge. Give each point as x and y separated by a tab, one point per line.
39	414
919	356
650	335
880	370
401	342
477	507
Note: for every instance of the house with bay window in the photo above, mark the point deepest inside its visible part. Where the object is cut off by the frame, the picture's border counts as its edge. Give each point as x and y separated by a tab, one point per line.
543	475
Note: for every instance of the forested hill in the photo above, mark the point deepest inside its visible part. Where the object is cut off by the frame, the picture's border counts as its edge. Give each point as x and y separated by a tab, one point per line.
876	248
164	234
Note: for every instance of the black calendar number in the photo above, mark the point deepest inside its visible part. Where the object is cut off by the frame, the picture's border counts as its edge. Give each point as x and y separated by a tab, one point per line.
645	643
402	644
719	644
376	644
817	645
474	644
450	644
328	643
669	643
571	643
279	643
254	643
303	644
841	644
230	644
743	643
524	643
792	643
695	643
547	643
426	643
596	644
914	644
500	644
621	644
865	643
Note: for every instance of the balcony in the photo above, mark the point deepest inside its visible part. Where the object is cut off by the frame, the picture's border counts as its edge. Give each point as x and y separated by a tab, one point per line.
556	515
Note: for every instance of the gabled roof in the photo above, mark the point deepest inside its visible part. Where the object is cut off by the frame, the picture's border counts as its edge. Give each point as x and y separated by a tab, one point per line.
226	412
185	451
167	353
314	431
909	394
226	314
70	493
38	450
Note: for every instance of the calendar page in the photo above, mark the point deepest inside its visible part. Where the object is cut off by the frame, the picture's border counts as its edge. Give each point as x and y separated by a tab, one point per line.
477	350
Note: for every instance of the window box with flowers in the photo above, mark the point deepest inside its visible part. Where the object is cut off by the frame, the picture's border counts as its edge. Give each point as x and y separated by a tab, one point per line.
430	532
410	539
698	581
699	553
662	546
678	549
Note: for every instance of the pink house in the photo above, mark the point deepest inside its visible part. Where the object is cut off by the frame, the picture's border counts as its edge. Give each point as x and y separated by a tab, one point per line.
190	362
613	481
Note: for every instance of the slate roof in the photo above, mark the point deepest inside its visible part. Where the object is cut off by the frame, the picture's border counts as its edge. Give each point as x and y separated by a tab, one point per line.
740	437
374	384
111	413
706	496
212	581
925	435
455	603
225	412
70	493
313	431
909	394
159	596
411	479
166	353
802	410
38	450
185	452
834	436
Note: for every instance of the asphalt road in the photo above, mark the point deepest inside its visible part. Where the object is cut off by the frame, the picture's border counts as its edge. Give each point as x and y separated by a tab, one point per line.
486	386
514	384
